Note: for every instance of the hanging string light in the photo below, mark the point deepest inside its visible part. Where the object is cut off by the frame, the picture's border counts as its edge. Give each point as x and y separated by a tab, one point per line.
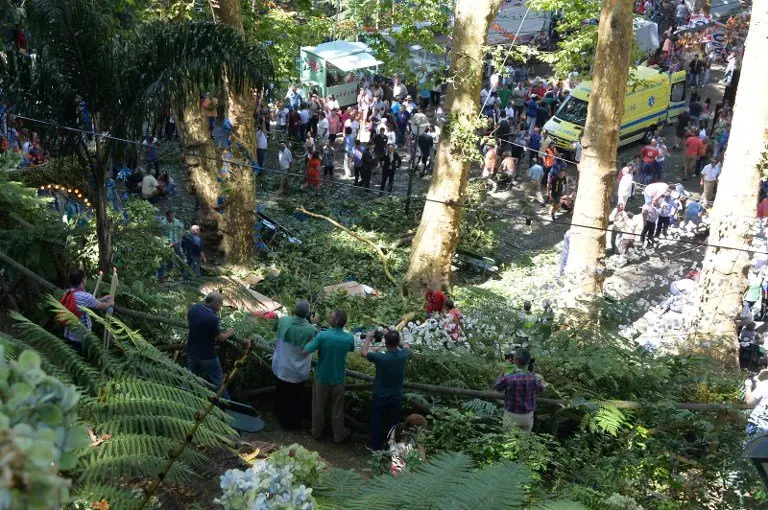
80	195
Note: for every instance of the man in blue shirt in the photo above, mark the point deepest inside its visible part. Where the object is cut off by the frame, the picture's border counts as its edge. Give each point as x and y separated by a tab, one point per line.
387	385
332	345
204	332
193	250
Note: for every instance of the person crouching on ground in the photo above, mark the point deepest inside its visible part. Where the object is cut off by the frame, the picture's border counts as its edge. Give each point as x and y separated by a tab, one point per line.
290	366
332	345
521	390
387	385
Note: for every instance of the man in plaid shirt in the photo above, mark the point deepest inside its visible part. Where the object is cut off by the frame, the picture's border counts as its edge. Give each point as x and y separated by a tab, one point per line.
521	388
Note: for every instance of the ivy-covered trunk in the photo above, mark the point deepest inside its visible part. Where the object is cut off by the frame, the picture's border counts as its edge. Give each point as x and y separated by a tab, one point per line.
203	167
586	256
438	235
724	273
240	200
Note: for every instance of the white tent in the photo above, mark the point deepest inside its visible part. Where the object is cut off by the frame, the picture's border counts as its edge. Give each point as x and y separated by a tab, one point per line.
646	34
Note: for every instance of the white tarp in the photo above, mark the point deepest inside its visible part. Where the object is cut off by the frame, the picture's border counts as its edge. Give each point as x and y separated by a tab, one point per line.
646	34
717	9
515	18
357	61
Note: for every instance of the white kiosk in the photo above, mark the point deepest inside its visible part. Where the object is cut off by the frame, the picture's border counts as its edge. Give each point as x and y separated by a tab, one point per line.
336	68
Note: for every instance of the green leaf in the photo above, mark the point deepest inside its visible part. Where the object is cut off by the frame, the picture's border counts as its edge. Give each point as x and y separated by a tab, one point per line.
50	414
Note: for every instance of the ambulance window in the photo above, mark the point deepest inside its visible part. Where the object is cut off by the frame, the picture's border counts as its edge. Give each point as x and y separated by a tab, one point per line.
678	92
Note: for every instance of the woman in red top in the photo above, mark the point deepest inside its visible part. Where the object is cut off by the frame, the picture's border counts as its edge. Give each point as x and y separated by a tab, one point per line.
313	170
435	301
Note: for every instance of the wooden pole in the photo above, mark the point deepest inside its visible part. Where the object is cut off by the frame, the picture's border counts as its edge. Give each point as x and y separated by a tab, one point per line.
112	289
98	284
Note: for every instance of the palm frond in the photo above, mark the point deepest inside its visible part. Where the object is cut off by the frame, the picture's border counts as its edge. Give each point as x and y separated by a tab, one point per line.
142	444
117	497
134	466
482	407
58	353
447	481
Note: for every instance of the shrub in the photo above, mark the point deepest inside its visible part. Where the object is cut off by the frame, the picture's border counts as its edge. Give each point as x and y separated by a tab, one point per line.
39	434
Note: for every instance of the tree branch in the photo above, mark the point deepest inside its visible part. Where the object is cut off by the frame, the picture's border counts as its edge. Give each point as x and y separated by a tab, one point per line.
357	236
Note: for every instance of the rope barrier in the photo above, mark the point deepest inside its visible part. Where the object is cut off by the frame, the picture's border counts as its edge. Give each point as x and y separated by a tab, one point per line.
465	206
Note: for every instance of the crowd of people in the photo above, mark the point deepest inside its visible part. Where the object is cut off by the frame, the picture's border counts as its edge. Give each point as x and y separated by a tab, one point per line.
368	134
20	141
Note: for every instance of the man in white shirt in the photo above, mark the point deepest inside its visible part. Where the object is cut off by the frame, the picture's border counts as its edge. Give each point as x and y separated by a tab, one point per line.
535	174
625	186
398	89
578	149
149	186
709	175
484	96
284	158
322	129
285	161
653	192
618	220
282	118
419	123
353	124
261	146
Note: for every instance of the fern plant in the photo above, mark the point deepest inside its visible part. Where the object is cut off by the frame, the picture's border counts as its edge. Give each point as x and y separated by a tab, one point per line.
449	480
138	404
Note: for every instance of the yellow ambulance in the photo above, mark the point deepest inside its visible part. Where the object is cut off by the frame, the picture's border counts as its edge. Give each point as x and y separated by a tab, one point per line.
653	98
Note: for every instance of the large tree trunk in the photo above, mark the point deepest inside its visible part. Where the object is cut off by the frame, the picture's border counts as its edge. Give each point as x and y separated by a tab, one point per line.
238	242
438	234
586	256
724	273
203	163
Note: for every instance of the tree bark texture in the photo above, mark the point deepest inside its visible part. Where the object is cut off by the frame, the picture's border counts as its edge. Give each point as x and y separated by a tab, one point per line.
438	235
586	256
203	163
732	221
237	202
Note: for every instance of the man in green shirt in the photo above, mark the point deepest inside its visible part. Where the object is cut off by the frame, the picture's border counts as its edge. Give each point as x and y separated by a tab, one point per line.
290	366
332	345
172	229
387	386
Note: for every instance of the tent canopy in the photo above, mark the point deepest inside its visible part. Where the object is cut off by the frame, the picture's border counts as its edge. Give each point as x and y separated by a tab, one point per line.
351	62
336	49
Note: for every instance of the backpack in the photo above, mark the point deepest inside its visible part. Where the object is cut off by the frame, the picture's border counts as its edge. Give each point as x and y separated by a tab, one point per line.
70	303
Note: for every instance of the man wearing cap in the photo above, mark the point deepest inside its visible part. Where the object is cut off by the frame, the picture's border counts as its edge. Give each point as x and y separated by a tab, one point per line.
521	390
204	332
290	366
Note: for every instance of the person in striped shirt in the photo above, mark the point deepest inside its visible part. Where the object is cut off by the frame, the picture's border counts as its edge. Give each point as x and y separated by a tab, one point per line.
521	389
84	299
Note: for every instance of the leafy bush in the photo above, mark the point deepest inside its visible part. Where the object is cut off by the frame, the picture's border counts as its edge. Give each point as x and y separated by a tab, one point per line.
305	465
39	434
139	403
264	486
448	480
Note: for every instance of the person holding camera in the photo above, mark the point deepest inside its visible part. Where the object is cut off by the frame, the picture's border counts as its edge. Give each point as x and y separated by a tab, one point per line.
387	385
521	389
290	366
332	346
756	394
